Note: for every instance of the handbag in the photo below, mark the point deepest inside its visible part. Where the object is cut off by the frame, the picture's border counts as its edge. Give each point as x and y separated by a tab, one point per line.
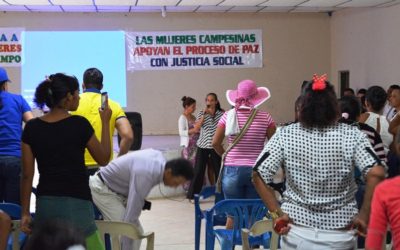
218	185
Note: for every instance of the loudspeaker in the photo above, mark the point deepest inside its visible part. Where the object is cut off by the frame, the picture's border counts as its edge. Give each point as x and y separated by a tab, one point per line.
135	119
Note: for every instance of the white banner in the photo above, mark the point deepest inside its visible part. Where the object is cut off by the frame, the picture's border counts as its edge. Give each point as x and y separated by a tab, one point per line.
11	47
194	49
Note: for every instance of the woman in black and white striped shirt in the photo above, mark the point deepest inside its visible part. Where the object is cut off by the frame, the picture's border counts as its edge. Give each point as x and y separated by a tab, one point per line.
208	118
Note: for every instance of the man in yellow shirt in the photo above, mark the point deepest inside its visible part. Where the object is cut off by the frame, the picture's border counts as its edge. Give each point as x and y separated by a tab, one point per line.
89	105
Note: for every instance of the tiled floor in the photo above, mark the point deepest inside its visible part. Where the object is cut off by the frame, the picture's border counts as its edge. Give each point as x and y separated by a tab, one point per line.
172	219
173	224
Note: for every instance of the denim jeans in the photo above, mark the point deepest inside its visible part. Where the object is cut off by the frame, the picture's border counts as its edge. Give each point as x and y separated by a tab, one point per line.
237	184
10	173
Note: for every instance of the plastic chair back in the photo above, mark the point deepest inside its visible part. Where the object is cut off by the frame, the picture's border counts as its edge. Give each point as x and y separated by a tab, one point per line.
17	238
116	229
199	214
260	227
13	210
245	213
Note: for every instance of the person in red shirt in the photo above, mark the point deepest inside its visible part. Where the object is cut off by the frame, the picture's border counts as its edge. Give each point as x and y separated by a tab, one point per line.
385	214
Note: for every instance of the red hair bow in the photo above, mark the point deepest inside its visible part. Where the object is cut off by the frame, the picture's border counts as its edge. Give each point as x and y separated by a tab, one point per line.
319	82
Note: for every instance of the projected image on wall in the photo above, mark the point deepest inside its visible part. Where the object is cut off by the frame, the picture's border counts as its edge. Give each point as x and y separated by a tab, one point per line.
72	53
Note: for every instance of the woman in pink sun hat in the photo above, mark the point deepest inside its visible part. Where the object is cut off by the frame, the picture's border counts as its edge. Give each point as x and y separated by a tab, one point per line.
238	162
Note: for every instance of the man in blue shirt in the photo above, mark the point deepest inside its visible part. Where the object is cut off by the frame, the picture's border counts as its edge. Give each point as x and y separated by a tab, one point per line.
13	110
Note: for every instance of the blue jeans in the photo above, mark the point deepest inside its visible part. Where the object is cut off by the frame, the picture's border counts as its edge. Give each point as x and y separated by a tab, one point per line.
10	173
236	183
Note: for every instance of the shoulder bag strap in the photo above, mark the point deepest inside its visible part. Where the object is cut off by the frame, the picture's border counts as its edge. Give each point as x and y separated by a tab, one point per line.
235	141
242	132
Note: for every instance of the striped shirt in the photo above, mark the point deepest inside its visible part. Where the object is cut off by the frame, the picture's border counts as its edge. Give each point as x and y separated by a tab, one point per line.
373	137
208	128
383	126
246	151
375	140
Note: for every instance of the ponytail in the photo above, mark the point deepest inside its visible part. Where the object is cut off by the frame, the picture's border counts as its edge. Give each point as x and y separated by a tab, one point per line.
54	89
187	101
350	109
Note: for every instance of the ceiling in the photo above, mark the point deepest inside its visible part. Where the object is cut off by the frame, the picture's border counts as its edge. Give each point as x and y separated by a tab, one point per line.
197	6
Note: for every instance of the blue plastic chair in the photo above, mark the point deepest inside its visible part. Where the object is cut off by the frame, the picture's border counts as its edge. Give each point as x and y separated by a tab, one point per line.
245	213
14	211
199	214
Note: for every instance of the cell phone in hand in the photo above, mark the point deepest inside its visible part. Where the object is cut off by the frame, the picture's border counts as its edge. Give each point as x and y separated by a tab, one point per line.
104	97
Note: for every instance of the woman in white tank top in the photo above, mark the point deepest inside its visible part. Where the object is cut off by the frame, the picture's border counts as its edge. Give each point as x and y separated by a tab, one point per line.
375	100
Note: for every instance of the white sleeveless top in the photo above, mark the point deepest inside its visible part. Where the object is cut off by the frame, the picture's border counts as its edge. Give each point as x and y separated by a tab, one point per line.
372	121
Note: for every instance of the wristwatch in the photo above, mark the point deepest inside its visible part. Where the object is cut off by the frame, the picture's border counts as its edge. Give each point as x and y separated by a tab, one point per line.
276	213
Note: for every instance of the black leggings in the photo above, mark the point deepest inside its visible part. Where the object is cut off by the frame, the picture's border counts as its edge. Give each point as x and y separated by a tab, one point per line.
202	156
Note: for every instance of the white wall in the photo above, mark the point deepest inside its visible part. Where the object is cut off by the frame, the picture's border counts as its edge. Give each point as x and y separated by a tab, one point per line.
366	42
294	47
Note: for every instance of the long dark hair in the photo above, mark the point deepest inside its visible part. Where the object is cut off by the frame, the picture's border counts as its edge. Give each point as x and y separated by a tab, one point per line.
218	105
319	108
51	91
350	108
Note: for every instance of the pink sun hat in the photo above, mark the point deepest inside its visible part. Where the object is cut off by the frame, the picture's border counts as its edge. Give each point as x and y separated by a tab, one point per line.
247	94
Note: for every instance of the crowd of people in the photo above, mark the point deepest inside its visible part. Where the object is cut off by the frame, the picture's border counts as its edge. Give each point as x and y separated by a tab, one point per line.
57	142
334	158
